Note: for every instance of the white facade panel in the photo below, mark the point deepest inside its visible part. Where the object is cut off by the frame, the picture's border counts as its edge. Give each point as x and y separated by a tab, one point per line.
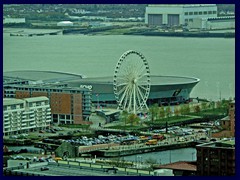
21	116
208	24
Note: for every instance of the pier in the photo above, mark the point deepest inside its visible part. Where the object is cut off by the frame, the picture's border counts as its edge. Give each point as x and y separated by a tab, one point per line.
22	33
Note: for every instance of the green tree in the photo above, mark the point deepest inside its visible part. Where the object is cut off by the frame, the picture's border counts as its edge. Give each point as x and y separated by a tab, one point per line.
133	119
176	111
168	111
124	117
212	105
185	109
218	104
197	109
151	162
204	106
225	106
153	110
161	112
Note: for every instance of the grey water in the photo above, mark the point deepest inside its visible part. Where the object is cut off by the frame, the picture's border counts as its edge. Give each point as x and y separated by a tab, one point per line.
212	60
165	157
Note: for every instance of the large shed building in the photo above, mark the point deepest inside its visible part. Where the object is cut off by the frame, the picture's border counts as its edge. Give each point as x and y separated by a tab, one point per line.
178	14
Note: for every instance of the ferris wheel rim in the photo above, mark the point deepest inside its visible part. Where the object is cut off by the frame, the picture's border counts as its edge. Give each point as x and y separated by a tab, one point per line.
133	91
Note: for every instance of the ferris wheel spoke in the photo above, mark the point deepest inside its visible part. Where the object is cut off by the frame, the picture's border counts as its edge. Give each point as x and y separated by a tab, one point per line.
125	103
130	100
121	77
139	91
122	84
138	98
121	90
142	75
134	100
143	87
143	100
123	96
140	68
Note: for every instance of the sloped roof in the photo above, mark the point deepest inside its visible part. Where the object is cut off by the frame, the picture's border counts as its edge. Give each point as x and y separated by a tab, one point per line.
181	165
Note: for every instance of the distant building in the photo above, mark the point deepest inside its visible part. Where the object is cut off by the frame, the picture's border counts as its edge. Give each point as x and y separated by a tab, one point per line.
69	105
227	123
181	168
24	115
216	158
226	22
178	14
65	23
14	20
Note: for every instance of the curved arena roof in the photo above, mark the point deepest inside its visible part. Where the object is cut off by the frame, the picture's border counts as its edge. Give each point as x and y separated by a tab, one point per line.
161	86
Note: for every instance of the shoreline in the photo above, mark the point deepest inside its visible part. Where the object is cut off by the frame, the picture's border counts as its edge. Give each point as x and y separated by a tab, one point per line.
116	31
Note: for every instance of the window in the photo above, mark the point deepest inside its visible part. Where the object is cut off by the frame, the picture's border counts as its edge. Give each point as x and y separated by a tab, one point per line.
209	12
195	13
190	13
214	12
205	12
200	13
190	20
186	13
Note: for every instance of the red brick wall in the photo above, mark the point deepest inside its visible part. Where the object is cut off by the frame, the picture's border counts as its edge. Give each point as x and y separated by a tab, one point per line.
60	103
77	108
37	94
232	118
22	94
222	134
226	124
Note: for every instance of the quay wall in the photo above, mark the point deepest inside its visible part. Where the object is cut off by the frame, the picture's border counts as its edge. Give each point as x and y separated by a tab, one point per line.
144	149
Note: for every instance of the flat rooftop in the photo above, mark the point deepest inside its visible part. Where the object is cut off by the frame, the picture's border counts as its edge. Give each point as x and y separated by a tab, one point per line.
75	170
220	144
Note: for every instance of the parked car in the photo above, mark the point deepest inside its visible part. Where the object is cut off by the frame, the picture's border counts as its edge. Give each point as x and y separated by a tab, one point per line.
44	168
151	142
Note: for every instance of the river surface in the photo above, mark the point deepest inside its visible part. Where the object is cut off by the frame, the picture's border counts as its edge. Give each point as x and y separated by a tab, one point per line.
210	59
165	157
161	157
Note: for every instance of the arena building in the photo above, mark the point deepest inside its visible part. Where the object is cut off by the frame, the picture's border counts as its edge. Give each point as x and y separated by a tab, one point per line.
165	90
178	14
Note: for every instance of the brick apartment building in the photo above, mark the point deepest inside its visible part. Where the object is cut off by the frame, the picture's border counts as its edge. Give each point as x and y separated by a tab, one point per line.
216	158
68	105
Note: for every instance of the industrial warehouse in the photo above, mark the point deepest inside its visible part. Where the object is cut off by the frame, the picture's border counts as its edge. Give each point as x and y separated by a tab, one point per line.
176	14
193	16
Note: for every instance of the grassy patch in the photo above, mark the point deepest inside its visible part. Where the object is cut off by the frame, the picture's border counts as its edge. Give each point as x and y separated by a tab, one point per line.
83	126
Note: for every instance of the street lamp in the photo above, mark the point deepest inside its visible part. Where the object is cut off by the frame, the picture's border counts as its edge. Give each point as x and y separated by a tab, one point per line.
170	154
97	100
192	155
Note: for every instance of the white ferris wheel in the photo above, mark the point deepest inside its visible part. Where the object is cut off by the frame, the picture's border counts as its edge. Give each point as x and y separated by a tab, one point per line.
131	82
